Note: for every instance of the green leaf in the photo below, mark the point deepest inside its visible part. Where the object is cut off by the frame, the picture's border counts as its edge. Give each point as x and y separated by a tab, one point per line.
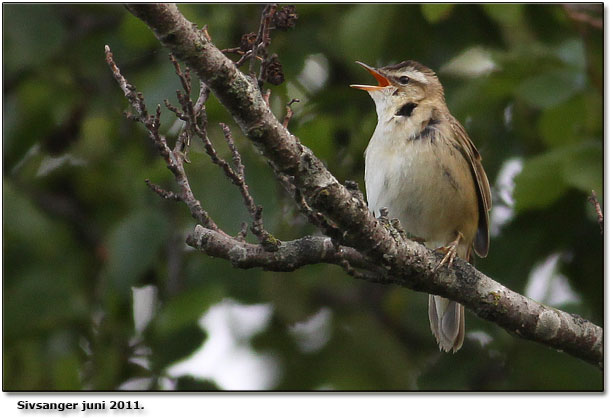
435	12
33	33
584	167
572	53
546	177
551	88
135	34
193	384
364	30
317	134
92	144
563	124
186	308
173	347
42	306
66	373
508	14
473	62
539	184
133	246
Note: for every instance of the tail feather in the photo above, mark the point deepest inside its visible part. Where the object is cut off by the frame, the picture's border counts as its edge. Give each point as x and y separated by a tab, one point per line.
446	322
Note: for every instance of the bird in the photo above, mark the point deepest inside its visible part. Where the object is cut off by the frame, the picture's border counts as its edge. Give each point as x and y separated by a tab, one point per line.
422	167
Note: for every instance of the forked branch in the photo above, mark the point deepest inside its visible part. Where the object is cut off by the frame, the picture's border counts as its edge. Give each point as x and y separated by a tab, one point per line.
380	250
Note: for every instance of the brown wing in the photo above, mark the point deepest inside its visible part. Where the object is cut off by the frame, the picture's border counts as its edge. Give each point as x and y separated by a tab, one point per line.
482	240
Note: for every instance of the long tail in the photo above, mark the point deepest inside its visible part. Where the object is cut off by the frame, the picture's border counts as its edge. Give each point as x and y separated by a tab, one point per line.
446	322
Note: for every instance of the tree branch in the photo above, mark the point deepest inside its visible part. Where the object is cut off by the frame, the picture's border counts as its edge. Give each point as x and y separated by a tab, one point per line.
289	256
404	262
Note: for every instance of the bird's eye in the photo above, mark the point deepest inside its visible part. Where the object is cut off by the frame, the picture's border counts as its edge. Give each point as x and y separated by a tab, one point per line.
404	79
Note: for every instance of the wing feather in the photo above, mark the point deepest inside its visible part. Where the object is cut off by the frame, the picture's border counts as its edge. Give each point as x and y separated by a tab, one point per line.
482	240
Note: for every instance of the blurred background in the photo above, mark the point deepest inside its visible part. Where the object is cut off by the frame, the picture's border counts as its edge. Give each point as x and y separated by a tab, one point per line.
100	291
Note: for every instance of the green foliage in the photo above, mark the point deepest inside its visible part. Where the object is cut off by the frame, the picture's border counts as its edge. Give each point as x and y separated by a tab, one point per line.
548	176
168	348
365	24
549	89
133	246
81	228
185	309
436	12
32	37
188	383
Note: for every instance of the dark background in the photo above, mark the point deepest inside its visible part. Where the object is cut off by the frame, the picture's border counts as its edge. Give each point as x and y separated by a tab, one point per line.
80	227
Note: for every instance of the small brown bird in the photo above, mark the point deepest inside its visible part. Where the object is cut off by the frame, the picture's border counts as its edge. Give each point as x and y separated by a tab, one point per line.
422	166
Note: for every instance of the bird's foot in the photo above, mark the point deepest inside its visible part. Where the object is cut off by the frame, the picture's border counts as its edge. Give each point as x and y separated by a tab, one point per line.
450	252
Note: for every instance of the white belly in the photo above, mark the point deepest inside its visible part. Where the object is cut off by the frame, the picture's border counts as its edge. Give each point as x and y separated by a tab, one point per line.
426	185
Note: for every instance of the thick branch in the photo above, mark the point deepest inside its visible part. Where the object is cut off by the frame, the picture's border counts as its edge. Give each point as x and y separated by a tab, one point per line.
289	256
407	263
242	98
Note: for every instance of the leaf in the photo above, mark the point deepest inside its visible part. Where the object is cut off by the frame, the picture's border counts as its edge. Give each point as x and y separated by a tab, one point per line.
33	33
133	246
194	384
572	53
508	14
546	177
168	349
435	12
135	34
364	32
186	308
317	134
66	373
45	299
44	268
551	88
540	182
563	124
473	62
584	167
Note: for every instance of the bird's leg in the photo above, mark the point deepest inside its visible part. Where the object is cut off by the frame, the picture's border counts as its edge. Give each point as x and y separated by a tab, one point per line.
450	250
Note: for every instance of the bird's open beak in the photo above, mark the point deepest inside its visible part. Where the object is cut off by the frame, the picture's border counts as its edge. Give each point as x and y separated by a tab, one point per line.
383	82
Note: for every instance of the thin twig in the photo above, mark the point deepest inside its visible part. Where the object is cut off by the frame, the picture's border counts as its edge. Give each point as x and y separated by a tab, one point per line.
235	50
183	76
203	96
163	193
205	32
175	110
174	162
197	126
245	57
363	275
594	201
266	97
238	178
579	13
190	113
263	39
289	112
242	234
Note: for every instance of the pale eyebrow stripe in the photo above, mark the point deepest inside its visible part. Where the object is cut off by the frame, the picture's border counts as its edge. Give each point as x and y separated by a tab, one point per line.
418	76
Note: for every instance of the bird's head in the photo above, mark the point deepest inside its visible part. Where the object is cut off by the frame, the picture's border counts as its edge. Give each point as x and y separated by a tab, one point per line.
402	88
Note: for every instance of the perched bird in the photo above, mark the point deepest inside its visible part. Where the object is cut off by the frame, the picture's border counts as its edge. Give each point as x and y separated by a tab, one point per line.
422	166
